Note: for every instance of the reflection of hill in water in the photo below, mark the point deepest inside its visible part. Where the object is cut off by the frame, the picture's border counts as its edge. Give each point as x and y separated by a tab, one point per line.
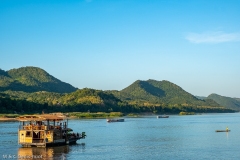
58	152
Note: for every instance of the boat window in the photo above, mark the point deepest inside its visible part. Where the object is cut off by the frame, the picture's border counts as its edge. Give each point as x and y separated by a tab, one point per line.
28	134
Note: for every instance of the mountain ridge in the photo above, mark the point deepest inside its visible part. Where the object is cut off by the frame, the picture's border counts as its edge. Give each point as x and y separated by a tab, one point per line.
32	79
36	86
160	92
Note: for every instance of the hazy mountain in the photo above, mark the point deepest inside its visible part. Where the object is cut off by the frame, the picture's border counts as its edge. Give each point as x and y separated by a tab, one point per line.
238	99
201	97
160	92
32	79
228	102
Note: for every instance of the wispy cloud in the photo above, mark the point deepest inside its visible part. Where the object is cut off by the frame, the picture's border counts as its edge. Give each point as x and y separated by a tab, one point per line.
212	37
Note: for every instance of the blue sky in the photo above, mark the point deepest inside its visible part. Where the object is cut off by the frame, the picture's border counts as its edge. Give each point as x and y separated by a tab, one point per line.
108	45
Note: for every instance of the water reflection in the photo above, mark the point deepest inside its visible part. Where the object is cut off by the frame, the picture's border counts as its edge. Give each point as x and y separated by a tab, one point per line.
227	135
50	153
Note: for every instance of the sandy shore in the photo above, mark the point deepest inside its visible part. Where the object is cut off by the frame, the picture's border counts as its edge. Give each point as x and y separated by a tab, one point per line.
7	119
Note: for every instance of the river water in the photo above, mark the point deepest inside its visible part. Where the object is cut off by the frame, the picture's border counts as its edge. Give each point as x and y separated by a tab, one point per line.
176	137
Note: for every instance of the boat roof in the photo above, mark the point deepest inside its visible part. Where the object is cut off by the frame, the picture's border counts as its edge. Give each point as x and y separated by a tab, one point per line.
42	117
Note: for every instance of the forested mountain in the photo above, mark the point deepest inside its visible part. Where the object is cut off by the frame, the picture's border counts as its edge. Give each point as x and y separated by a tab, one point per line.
31	89
152	92
228	102
32	79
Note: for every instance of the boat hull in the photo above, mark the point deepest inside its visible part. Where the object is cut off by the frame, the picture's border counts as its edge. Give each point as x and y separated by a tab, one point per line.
222	130
115	120
162	116
55	143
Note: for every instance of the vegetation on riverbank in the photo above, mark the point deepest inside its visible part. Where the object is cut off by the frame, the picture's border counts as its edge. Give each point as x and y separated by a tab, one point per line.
89	100
9	115
186	113
72	115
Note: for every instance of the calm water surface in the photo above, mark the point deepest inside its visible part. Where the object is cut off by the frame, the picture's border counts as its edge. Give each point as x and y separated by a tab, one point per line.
176	137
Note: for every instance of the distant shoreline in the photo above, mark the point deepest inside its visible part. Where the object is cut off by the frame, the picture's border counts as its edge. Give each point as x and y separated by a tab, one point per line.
97	116
7	119
79	115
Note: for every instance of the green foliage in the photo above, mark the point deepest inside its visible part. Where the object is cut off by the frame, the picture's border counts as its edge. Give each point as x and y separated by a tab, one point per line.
90	100
9	115
133	115
9	105
186	113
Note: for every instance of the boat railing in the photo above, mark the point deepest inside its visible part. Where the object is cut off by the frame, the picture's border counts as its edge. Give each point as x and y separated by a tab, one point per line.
36	127
32	127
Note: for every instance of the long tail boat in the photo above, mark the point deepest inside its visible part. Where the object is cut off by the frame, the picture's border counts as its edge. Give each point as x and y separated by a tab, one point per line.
46	130
115	120
163	116
222	130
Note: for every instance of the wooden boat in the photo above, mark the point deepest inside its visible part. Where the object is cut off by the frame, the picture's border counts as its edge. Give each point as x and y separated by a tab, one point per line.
46	130
163	116
223	130
115	120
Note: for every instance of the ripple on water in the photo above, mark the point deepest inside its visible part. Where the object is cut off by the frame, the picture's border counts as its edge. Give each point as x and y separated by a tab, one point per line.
179	137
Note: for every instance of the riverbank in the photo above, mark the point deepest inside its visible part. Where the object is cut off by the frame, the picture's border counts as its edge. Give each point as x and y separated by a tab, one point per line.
73	115
89	115
7	119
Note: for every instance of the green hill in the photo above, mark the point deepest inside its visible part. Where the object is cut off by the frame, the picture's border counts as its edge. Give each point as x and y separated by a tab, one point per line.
90	99
228	102
152	92
32	79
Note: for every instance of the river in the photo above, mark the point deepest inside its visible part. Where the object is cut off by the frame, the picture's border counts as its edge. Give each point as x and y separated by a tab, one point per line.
176	137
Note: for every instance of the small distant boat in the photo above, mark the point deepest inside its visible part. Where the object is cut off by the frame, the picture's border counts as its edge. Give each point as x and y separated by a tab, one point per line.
115	120
163	116
222	130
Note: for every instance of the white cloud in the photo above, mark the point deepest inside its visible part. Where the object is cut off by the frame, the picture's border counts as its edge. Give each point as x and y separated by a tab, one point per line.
212	37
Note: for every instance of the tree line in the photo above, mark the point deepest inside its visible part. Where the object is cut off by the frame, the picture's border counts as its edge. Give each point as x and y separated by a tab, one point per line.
88	100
